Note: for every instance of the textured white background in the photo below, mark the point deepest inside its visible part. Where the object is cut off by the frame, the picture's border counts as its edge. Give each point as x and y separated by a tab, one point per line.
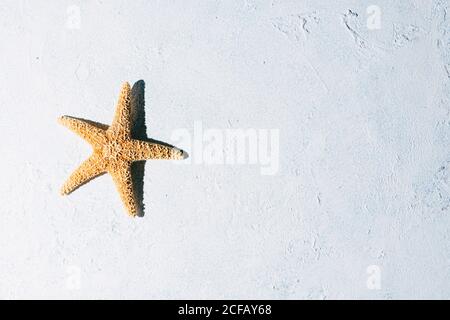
364	149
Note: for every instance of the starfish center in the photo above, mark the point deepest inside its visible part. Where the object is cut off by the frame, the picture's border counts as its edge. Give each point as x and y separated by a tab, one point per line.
112	150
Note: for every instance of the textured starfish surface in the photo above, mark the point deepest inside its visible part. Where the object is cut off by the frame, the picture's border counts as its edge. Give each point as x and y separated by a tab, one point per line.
114	150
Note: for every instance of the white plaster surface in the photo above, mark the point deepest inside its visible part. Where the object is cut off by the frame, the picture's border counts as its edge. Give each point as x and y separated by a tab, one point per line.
364	125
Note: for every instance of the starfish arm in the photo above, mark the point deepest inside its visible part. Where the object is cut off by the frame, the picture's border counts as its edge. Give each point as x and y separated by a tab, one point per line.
92	132
144	150
121	125
124	184
88	170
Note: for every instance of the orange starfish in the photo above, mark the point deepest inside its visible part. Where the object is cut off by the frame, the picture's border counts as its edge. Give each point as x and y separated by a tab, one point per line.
114	150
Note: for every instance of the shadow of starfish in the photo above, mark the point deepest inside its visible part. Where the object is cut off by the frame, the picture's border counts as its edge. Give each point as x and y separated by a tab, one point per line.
139	132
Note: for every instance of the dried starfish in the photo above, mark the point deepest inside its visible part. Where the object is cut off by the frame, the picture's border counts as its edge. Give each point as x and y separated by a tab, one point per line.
114	150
